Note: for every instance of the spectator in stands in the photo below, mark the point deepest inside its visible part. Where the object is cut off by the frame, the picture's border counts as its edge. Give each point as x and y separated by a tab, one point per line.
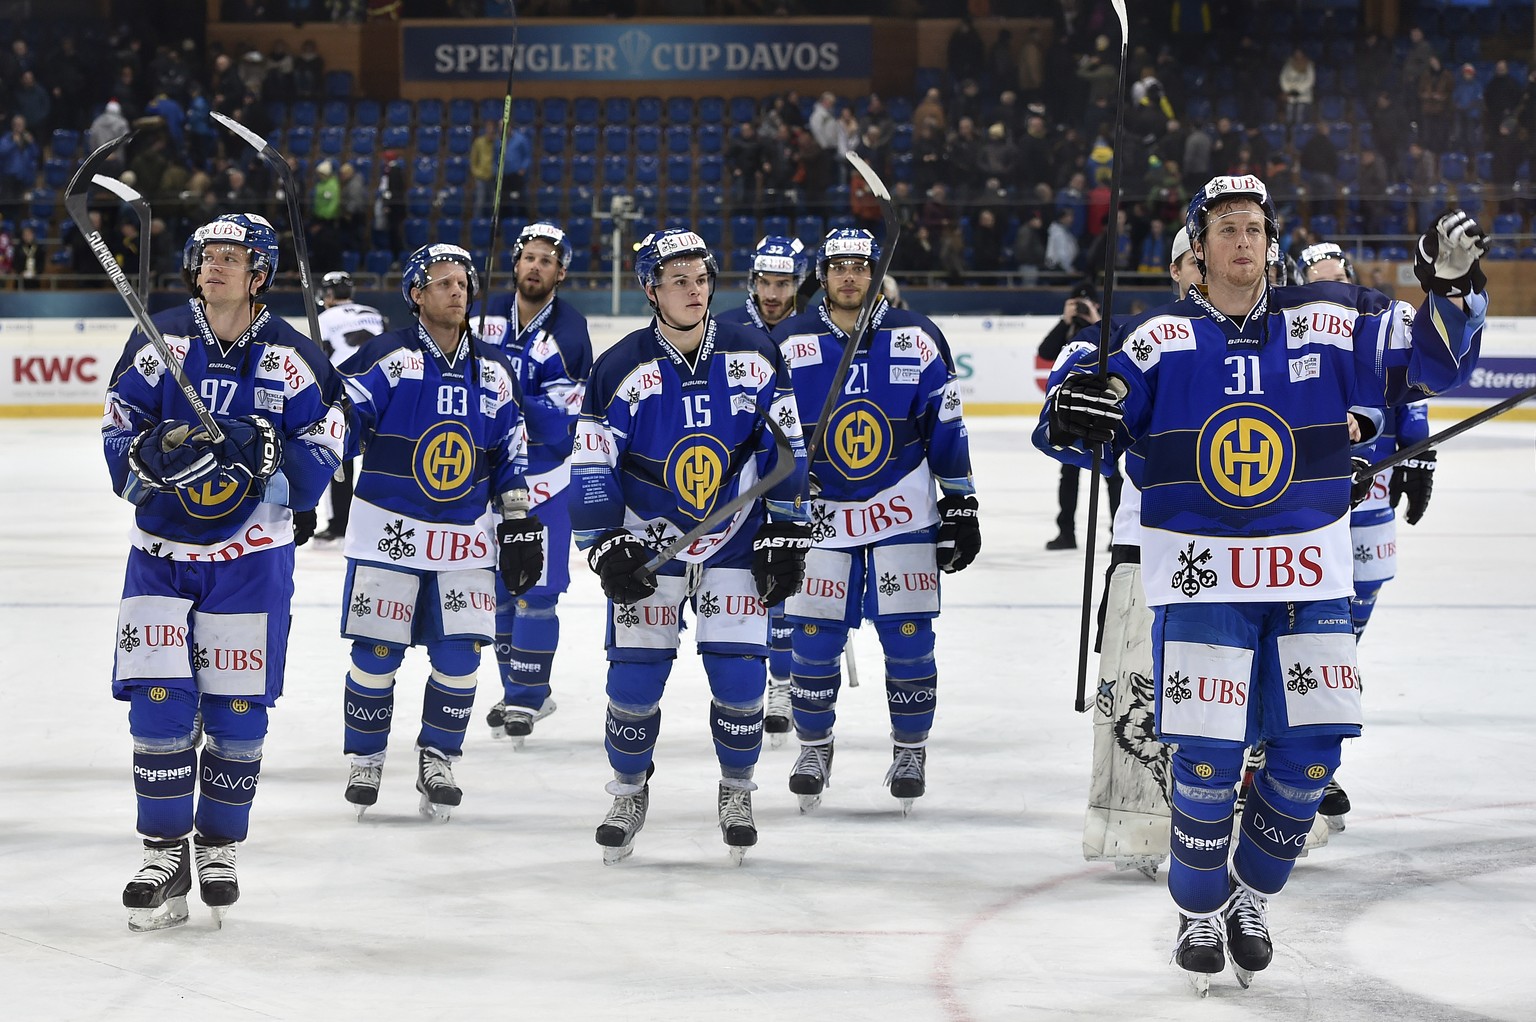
1389	131
877	118
32	101
961	151
1156	248
1101	76
928	147
125	247
19	159
1510	148
920	259
1467	103
389	205
1416	61
1166	198
1029	247
998	157
324	228
1032	62
1196	159
1374	60
27	258
952	257
354	208
1434	91
482	166
967	54
987	245
781	158
1320	162
938	212
81	260
173	117
308	72
67	84
1035	163
1371	186
1501	96
128	92
1297	79
225	89
168	73
277	83
744	164
847	140
790	112
1527	115
1061	245
819	160
1002	66
931	109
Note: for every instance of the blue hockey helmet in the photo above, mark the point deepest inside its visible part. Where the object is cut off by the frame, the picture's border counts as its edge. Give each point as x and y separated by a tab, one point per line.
1314	254
249	230
545	231
415	273
1220	189
844	243
778	254
661	247
1280	267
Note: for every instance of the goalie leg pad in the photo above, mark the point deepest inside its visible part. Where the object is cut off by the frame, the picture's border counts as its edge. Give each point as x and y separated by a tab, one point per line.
1282	806
911	678
815	678
1205	777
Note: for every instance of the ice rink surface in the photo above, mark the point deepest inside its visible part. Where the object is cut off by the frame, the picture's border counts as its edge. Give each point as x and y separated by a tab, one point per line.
976	907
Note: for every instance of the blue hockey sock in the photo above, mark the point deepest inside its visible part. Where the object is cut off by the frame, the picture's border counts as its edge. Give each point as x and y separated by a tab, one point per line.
1204	779
911	678
369	713
780	646
226	788
525	671
163	781
1361	605
631	740
445	712
815	678
738	735
1281	808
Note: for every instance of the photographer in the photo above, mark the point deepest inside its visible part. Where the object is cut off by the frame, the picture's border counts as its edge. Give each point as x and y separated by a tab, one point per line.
1080	311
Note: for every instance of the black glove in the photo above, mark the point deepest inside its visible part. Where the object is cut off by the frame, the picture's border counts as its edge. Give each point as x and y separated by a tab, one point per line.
252	446
618	557
959	533
173	453
522	553
1087	406
1416	478
1446	259
303	526
1360	481
778	560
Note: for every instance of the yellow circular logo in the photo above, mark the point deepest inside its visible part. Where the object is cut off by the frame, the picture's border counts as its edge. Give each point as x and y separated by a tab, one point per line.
444	462
696	467
1204	771
213	499
810	629
1246	456
158	694
860	439
1317	771
381	651
239	706
908	628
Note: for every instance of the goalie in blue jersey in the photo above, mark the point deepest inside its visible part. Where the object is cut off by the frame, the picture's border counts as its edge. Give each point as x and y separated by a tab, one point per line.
202	632
1232	407
671	429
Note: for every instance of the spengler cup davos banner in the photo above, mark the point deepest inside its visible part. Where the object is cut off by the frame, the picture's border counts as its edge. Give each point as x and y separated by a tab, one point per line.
635	51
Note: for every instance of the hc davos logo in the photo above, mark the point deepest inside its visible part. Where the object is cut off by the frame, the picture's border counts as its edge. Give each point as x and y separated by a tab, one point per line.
444	461
1247	456
861	439
213	499
635	47
696	467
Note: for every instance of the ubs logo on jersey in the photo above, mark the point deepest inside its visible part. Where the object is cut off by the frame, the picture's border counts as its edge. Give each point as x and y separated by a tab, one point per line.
1247	456
861	439
444	462
696	467
215	498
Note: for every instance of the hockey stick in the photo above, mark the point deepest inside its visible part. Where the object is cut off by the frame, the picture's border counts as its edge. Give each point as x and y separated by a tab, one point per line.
1418	447
76	201
866	311
274	159
501	168
783	465
1111	243
141	210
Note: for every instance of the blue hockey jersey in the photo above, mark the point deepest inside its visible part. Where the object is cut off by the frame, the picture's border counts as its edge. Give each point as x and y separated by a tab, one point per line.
746	314
895	429
440	438
271	371
1237	433
666	438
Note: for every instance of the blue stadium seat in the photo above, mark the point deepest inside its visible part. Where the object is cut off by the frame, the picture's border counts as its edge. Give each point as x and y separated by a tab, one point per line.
1324	226
615	169
846	222
776	225
364	167
901	139
711	109
480	232
741	259
1469	197
551	170
367	111
901	167
679	139
1341	134
585	110
350	260
378	260
647	170
456	171
743	108
679	170
65	143
429	139
648	109
711	169
461	112
338	84
301	141
710	199
548	202
581	260
583	170
647	199
450	229
900	109
1507	223
680	109
397	112
304	114
711	138
1393	254
679	200
552	139
711	230
335	114
578	199
1274	135
57	172
418	202
424	171
1349	167
525	110
648	139
332	140
584	138
1330	107
1502	251
42	206
460	138
1394	223
811	230
364	139
394	136
277	111
418	232
618	109
1453	167
429	111
616	138
579	230
677	222
450	201
554	109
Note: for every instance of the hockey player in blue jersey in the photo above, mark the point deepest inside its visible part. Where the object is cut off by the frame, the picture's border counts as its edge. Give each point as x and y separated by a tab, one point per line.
779	267
1232	405
203	624
881	537
671	430
443	456
546	341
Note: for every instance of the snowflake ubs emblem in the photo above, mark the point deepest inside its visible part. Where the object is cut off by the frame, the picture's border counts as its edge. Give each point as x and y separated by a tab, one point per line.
1299	679
1178	688
736	370
626	616
149	365
269	362
396	542
1363	554
1299	327
1190	578
889	585
821	523
454	601
200	659
709	605
361	606
130	639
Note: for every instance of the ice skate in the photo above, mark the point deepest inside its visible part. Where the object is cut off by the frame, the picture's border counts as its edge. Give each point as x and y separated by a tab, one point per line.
156	897
734	804
434	779
777	714
906	775
216	879
363	779
1248	932
1334	806
812	773
508	720
625	818
1199	950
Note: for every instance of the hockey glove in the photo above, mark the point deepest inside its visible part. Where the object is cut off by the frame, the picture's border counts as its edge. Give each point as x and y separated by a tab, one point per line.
1088	407
1446	259
618	557
1416	478
251	446
173	453
303	526
1360	481
778	560
522	553
959	533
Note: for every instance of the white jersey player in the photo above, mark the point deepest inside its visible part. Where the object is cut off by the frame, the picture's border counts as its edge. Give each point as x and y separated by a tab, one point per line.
345	326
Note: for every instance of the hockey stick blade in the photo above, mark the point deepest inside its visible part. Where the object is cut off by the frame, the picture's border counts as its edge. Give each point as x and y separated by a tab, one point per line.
76	203
146	224
866	310
274	159
783	465
1417	448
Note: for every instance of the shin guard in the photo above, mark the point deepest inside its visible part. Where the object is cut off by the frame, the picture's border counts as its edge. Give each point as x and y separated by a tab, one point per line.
816	676
911	678
529	654
1204	782
1281	808
446	705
